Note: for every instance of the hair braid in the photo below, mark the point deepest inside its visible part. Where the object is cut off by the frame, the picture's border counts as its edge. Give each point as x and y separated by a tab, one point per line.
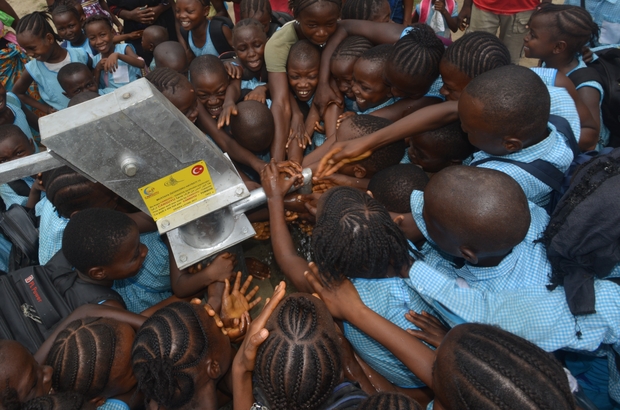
164	79
37	23
351	48
360	9
476	53
418	53
297	6
389	401
248	8
572	24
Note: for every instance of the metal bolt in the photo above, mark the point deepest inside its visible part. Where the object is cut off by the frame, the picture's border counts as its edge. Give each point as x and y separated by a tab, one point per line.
165	223
126	96
183	258
244	230
239	191
130	169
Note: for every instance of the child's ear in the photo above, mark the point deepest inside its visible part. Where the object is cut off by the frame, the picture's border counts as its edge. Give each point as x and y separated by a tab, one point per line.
50	38
559	47
207	10
65	94
469	255
512	144
213	369
97	273
359	171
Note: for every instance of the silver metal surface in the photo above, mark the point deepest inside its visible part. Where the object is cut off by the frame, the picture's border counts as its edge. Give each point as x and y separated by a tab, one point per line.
27	166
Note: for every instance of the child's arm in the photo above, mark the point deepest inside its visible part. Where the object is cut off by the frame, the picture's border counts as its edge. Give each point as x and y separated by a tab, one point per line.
115	20
226	143
119	38
425	119
21	87
281	110
453	22
404	107
276	187
297	143
408	11
330	119
591	98
465	15
258	94
35	193
130	57
333	180
344	302
229	107
145	222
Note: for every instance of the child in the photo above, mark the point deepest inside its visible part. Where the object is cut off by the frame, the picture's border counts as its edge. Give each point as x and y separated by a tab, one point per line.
34	380
253	129
119	63
389	401
37	37
200	38
14	144
69	27
152	36
371	93
371	10
170	54
558	46
11	112
261	11
249	41
76	78
392	186
178	357
438	149
342	63
441	15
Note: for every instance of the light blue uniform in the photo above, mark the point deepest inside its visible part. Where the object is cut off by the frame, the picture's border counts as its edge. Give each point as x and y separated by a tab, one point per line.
124	74
207	48
84	46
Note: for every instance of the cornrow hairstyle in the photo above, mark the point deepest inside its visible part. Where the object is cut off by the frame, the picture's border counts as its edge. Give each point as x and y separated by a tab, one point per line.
389	401
378	54
299	364
249	8
165	79
68	190
393	186
297	6
37	23
572	24
360	9
97	17
304	51
355	237
206	65
93	237
351	48
65	8
82	356
9	398
249	22
491	369
12	131
168	346
418	53
476	53
61	401
68	3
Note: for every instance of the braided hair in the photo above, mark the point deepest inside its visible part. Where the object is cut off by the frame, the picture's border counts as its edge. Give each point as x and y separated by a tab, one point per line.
249	22
164	79
37	23
393	186
97	17
83	355
368	240
491	369
168	346
572	24
9	398
65	8
299	364
61	401
351	48
297	6
249	8
418	53
476	53
360	9
68	190
389	401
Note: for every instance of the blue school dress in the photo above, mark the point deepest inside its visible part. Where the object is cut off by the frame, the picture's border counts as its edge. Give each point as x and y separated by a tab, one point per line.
124	74
20	117
46	79
84	46
11	197
51	228
207	48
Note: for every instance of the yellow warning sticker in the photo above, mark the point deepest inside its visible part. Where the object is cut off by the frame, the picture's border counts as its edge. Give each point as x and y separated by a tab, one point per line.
177	191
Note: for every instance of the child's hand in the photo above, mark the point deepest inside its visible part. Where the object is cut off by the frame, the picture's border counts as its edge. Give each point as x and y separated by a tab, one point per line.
258	94
343	117
221	268
50	110
234	69
298	133
321	185
236	302
340	298
141	15
273	178
245	359
262	229
586	54
440	6
111	63
319	128
235	328
135	35
257	269
433	331
227	111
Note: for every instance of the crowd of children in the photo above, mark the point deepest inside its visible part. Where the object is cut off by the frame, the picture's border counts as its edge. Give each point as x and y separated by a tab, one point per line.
463	240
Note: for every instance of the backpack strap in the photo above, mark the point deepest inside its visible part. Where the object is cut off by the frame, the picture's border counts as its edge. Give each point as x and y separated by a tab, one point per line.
21	228
562	125
20	187
540	169
280	18
217	35
583	75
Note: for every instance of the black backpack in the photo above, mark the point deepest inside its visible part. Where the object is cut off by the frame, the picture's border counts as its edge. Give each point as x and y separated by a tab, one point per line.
278	19
19	225
606	71
215	34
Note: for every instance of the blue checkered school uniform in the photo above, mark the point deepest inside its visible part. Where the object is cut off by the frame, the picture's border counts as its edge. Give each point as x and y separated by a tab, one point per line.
605	13
553	149
151	284
124	73
13	103
391	298
51	228
11	197
84	46
113	404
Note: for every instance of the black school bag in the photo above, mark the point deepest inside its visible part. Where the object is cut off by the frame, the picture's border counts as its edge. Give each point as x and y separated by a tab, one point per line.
215	34
20	226
606	71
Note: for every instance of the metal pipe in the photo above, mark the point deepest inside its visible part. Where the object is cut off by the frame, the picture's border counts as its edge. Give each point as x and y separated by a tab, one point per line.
27	166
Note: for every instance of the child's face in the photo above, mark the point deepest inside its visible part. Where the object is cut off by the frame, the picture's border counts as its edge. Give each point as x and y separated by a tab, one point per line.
479	132
129	258
249	44
454	81
342	71
101	37
368	85
264	18
303	77
319	21
184	98
383	14
211	91
406	86
36	47
147	42
539	41
79	82
191	14
422	152
22	372
68	27
15	147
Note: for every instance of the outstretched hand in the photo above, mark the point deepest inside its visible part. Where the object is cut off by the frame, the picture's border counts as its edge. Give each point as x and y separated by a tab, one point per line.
274	178
341	298
432	330
236	301
339	155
